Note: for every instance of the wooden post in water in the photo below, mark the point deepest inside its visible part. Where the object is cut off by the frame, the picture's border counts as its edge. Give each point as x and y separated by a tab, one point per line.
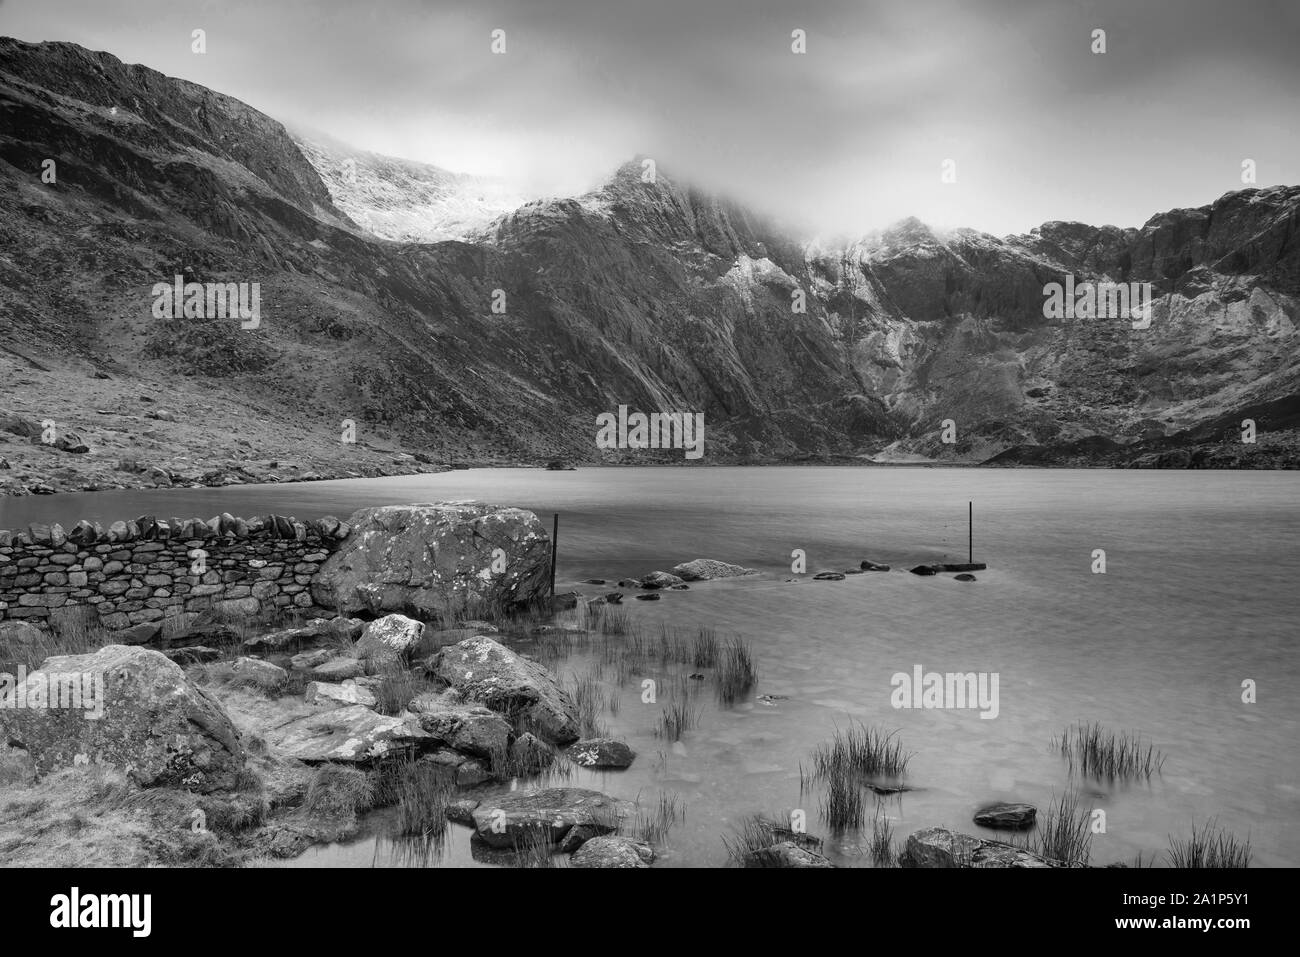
970	534
555	540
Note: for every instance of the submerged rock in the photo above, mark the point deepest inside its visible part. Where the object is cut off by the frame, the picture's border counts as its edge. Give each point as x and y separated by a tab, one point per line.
613	851
965	577
705	569
870	566
940	847
650	597
509	819
926	569
659	580
614	597
155	723
426	558
785	854
483	670
829	577
1012	817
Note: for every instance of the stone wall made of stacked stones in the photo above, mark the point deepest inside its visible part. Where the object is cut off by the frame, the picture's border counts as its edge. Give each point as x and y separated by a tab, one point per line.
150	569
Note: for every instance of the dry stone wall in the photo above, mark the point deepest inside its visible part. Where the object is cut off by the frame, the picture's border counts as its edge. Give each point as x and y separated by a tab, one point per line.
149	569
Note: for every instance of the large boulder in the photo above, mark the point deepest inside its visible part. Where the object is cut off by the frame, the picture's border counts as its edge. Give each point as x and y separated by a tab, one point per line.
483	670
940	847
427	560
601	753
18	636
509	819
133	709
704	569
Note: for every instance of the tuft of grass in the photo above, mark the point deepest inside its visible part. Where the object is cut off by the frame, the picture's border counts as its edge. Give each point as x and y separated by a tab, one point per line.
78	633
339	789
736	673
590	698
675	720
652	826
704	648
397	686
1064	832
883	853
863	752
1210	847
757	831
1105	755
613	621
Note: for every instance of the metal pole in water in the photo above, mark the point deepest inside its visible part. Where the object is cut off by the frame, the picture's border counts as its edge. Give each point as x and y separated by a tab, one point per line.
970	534
555	540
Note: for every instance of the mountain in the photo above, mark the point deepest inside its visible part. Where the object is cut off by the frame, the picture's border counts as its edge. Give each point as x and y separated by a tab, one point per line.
652	295
403	200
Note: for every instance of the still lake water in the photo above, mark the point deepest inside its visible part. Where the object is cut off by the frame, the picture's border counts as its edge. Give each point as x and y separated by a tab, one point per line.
1197	596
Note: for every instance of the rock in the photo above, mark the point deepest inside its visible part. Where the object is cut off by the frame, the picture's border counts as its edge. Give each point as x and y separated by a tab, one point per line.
508	819
352	733
193	655
704	569
577	836
141	634
337	669
682	587
593	581
530	754
18	635
925	570
307	660
471	772
601	753
280	640
156	724
389	640
467	728
650	597
940	847
16	766
426	558
785	854
1011	817
483	670
480	627
462	811
964	577
332	695
870	566
828	577
260	673
614	598
659	580
613	851
162	415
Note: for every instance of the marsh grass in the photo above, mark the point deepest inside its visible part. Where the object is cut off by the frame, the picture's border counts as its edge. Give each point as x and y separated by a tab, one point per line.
843	767
533	849
676	719
1093	751
1063	834
1210	847
590	698
883	853
736	672
397	686
757	831
653	824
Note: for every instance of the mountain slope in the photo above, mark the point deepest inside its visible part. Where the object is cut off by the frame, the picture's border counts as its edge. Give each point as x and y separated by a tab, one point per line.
650	295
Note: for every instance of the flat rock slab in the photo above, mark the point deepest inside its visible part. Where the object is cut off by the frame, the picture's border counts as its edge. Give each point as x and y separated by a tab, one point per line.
336	696
613	851
1011	817
350	733
509	819
337	669
940	847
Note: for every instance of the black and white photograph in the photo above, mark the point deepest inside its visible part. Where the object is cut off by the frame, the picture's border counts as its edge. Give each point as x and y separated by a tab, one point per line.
651	434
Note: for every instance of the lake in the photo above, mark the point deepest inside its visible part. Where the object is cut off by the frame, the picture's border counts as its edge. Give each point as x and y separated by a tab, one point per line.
1196	598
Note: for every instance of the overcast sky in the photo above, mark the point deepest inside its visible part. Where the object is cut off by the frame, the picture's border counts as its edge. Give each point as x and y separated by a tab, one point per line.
849	136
